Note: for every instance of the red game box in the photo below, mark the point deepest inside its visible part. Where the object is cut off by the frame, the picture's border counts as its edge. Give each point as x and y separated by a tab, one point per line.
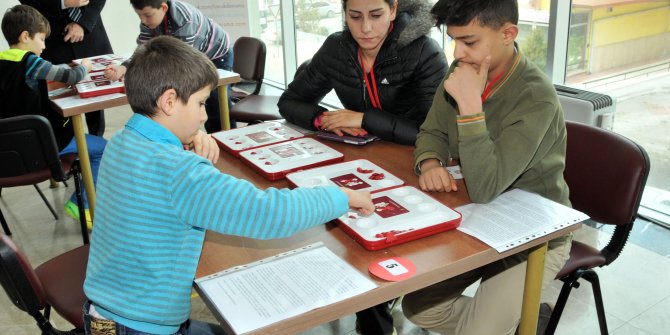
276	160
254	136
402	214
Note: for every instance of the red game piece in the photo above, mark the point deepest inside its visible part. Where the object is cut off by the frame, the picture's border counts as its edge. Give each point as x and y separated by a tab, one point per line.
377	176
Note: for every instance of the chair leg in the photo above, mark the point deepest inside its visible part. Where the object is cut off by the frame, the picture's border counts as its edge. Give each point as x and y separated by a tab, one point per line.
5	227
76	172
568	284
592	277
46	202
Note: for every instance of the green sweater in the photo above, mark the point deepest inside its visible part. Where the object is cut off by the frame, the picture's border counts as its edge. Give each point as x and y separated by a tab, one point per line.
518	141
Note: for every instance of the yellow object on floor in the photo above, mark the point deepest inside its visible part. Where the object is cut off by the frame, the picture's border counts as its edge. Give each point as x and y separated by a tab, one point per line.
72	210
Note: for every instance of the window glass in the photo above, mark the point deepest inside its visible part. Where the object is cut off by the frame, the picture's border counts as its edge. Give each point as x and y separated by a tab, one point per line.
622	49
271	34
314	21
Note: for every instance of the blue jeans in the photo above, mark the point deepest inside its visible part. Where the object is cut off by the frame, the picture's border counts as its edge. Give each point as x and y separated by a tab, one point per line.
213	123
190	327
96	145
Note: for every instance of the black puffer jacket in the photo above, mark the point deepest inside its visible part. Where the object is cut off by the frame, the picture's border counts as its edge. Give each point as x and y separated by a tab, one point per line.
409	68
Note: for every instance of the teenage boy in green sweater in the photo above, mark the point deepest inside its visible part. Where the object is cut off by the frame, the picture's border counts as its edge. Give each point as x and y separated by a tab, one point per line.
499	116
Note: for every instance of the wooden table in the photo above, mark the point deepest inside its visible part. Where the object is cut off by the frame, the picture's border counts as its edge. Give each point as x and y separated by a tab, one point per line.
81	106
436	257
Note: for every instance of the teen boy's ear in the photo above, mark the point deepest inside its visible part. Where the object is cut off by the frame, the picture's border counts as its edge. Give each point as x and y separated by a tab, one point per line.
509	31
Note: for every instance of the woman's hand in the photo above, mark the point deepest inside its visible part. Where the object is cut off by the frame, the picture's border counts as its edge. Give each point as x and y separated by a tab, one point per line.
342	118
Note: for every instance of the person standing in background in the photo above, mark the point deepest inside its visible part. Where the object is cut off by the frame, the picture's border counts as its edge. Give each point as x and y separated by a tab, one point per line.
77	32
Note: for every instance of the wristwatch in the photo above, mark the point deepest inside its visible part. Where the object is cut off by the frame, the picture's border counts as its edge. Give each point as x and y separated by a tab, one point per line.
418	167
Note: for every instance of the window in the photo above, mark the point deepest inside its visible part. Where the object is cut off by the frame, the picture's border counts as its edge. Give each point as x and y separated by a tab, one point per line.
271	33
623	49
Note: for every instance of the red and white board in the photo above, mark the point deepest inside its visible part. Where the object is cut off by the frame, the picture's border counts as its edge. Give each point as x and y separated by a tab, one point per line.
253	136
402	214
360	175
276	160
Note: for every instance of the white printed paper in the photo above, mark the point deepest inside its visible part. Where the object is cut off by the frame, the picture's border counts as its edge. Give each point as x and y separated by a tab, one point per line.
516	217
255	295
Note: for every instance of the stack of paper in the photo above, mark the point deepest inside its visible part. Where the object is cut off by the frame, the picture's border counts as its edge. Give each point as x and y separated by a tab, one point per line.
255	295
516	217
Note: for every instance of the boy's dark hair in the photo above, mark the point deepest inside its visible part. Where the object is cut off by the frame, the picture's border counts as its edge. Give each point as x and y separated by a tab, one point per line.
163	63
140	4
488	13
22	18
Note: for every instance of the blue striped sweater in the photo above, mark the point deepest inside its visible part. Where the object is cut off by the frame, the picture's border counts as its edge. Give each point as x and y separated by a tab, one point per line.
154	203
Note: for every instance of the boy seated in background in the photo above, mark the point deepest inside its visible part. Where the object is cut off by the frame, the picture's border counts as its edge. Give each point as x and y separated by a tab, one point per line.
23	85
143	259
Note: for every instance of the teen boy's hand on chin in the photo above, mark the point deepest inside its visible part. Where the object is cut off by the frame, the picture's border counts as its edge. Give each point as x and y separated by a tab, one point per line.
466	85
205	146
359	201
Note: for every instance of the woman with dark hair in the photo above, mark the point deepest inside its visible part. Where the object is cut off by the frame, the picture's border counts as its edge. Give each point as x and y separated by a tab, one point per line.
383	67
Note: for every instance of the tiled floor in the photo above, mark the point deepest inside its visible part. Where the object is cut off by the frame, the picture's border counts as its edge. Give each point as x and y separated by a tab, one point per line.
636	294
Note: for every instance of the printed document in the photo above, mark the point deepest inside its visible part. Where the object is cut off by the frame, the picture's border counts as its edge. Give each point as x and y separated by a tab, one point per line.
516	217
255	295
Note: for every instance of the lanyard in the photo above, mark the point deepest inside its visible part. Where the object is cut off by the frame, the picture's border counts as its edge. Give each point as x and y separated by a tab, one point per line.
372	91
487	90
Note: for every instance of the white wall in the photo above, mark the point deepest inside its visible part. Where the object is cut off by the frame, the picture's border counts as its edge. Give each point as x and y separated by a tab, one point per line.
120	21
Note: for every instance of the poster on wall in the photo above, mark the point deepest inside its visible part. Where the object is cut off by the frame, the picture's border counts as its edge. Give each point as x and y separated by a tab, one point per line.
232	15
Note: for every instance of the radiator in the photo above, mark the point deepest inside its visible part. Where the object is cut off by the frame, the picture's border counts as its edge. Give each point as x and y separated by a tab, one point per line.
595	109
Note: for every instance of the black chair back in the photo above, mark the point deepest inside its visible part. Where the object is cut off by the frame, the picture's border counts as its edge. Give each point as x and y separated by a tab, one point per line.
19	280
57	284
27	145
249	60
606	173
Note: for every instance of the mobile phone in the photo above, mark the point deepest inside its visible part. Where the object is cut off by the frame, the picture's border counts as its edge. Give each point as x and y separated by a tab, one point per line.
346	138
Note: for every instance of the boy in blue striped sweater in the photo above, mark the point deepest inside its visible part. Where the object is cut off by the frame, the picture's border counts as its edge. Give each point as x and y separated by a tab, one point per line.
156	200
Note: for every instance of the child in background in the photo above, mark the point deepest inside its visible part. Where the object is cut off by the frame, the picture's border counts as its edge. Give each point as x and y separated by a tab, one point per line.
187	23
142	263
23	85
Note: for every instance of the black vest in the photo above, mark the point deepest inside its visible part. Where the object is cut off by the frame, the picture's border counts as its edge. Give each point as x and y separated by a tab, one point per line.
17	98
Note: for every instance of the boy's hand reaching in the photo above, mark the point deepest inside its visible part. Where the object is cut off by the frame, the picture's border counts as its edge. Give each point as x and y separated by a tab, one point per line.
115	72
359	201
87	63
466	85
